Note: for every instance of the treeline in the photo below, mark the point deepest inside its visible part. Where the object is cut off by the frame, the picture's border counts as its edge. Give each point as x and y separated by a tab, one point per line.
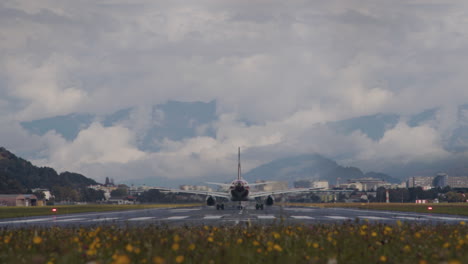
20	176
405	195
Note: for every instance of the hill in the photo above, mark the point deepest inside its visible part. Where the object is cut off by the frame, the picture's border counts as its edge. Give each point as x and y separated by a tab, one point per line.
18	176
310	166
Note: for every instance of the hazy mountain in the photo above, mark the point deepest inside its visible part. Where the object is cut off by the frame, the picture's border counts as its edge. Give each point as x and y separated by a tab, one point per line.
18	176
172	120
311	166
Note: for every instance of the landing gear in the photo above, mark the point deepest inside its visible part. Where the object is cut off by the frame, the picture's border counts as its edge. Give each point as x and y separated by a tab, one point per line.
220	207
259	207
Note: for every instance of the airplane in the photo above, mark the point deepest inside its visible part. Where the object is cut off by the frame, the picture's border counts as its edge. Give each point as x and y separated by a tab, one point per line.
239	191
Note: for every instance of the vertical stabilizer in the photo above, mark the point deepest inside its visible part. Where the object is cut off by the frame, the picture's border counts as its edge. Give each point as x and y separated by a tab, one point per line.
239	176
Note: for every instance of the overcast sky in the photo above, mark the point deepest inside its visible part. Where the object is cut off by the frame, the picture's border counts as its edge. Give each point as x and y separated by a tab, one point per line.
282	67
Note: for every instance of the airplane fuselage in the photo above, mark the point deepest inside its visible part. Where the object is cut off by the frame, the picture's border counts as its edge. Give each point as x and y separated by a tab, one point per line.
239	190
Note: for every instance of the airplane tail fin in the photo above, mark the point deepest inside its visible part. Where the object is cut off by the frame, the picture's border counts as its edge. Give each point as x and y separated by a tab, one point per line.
239	176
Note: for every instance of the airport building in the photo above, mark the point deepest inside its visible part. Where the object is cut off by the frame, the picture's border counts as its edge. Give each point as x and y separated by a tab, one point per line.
440	180
424	182
311	184
271	186
366	184
19	200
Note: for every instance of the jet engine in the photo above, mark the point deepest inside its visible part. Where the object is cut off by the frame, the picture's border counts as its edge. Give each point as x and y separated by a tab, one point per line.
269	200
210	200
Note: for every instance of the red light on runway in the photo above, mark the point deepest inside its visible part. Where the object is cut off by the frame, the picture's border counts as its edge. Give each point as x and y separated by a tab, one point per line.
54	210
429	208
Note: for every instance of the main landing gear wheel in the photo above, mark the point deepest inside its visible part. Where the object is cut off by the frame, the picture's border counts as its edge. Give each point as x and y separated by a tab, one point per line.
220	207
259	207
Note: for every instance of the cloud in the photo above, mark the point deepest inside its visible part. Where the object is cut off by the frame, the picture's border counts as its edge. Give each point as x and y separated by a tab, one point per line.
94	145
277	74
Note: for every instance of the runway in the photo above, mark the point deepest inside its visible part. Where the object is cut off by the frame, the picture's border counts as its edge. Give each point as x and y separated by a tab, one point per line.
210	216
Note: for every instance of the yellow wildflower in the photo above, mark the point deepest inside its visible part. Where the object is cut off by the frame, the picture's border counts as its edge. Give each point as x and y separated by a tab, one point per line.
277	248
175	246
37	240
158	260
383	258
179	259
239	241
121	259
191	247
129	248
210	239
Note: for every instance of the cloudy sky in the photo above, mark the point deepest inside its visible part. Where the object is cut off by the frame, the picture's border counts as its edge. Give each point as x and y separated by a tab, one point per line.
276	70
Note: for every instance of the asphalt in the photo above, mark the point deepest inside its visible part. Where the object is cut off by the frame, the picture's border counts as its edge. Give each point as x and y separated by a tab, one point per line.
231	216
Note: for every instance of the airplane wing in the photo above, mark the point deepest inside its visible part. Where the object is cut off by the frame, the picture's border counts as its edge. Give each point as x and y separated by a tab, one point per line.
225	185
214	194
298	190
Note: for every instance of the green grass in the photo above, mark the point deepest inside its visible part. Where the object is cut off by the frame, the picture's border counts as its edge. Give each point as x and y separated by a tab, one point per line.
437	208
13	211
348	242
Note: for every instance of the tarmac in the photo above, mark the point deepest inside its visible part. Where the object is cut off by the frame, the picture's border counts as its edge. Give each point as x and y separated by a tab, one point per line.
231	216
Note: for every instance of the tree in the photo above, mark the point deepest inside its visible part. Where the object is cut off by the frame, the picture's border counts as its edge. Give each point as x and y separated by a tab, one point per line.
91	195
40	195
120	192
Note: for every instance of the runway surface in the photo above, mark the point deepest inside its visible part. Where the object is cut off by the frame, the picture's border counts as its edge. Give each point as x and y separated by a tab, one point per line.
210	216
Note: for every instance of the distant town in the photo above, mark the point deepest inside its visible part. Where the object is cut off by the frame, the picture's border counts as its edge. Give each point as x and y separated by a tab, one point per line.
417	189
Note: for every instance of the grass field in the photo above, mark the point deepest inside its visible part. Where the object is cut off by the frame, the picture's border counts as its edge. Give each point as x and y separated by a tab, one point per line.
12	211
348	242
437	208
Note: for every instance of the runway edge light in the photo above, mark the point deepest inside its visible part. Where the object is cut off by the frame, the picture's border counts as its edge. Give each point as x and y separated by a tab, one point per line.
429	208
54	210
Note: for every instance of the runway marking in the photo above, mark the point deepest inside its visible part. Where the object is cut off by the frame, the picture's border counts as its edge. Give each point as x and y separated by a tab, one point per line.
70	220
305	210
104	219
373	217
338	217
30	220
141	218
301	217
176	217
266	216
213	216
411	218
448	218
184	210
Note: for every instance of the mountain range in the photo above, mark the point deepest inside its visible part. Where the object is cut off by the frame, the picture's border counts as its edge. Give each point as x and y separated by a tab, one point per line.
18	176
182	120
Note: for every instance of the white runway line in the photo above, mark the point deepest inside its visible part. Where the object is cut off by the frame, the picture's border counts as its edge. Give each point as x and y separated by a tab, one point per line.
213	216
338	217
304	210
26	221
176	217
448	218
411	218
104	219
266	216
301	217
70	220
184	210
373	217
141	218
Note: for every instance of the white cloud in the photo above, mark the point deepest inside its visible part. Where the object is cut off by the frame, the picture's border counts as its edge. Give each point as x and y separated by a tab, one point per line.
94	145
284	70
